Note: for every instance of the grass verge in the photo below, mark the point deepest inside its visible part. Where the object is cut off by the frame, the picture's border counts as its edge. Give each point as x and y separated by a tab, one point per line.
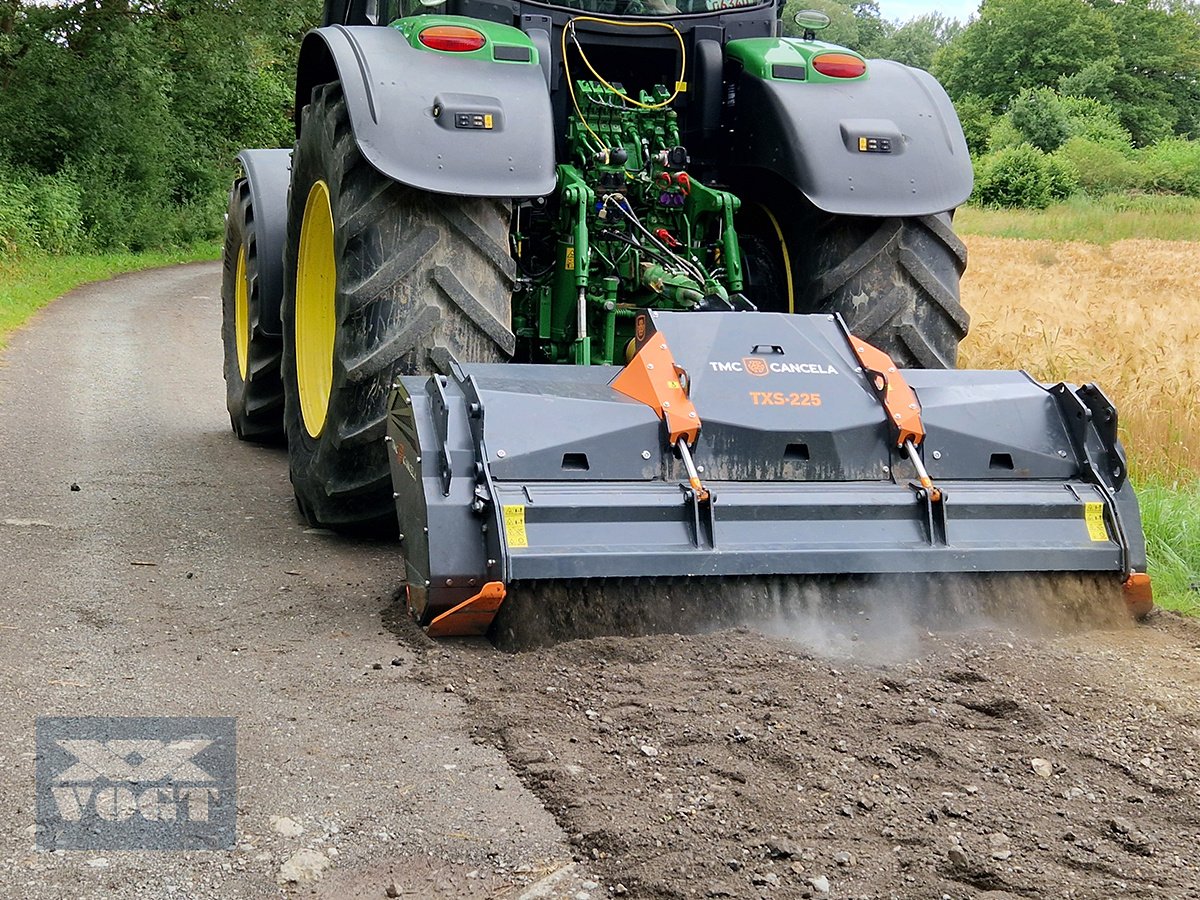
1092	220
1172	526
27	283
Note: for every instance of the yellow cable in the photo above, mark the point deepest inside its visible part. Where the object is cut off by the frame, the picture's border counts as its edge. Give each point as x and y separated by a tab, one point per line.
571	89
619	24
679	82
787	261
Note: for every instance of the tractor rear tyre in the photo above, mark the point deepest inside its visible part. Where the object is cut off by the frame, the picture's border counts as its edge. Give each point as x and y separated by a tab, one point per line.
894	281
380	280
253	387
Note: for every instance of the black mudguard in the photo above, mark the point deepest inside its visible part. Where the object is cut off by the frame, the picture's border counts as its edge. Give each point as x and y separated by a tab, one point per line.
392	91
269	173
808	133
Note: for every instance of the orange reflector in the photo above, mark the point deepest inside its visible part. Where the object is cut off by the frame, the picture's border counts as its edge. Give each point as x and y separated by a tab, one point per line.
1139	594
452	38
839	65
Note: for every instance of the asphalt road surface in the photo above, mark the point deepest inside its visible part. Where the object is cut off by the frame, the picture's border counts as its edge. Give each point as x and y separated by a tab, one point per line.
152	565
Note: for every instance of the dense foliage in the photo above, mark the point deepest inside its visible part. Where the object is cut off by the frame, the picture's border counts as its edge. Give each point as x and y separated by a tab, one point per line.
1056	97
121	118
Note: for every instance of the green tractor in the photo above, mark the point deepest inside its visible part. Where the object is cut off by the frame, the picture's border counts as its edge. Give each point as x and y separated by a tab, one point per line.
549	186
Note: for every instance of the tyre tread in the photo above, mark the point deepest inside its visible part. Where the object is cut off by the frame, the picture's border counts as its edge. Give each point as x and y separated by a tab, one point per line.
417	275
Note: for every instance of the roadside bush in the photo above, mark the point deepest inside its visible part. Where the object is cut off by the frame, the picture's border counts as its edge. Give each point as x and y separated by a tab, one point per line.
1172	166
1100	167
1062	178
57	219
1004	135
38	212
976	116
1023	176
16	214
1039	118
1096	121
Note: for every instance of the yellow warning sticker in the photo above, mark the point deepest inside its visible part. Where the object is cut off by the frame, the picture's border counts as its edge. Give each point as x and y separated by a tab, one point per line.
514	526
1093	514
569	262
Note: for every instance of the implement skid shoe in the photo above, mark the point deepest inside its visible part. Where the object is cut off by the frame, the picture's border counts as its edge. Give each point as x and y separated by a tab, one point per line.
746	444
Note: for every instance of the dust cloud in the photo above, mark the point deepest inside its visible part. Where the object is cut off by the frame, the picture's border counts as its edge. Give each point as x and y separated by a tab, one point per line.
885	619
881	618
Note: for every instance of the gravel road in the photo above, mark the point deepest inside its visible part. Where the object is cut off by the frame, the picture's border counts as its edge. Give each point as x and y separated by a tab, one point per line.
152	565
177	580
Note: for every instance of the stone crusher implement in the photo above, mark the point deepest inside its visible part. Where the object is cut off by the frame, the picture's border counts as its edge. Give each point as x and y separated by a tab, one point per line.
748	444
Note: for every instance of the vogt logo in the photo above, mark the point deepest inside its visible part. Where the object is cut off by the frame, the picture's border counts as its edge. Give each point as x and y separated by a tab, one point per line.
136	783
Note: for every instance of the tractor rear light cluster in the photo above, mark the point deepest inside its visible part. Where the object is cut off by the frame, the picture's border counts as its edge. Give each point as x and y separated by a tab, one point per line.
839	65
452	38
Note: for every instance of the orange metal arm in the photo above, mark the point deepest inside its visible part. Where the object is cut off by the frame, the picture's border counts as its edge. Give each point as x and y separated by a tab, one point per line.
898	399
653	378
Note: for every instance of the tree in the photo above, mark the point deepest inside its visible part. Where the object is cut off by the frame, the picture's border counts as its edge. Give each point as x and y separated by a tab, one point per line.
843	25
1155	82
1141	57
142	104
857	25
915	42
976	116
1040	119
1018	44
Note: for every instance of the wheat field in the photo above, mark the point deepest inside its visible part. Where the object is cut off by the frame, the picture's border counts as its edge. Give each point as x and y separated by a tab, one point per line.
1125	315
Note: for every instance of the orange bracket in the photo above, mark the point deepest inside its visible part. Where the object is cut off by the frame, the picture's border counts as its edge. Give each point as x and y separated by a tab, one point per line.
653	378
471	617
898	399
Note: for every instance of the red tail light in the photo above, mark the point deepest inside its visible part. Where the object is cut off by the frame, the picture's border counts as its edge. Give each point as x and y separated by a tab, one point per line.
454	38
839	65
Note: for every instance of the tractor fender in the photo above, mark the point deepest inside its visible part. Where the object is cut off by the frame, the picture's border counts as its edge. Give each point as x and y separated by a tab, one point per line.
269	173
405	106
887	145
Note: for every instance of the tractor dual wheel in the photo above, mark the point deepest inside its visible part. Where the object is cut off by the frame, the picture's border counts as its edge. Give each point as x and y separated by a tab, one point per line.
380	280
895	281
253	387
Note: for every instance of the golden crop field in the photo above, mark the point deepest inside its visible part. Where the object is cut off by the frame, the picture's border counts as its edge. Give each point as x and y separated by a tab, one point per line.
1125	315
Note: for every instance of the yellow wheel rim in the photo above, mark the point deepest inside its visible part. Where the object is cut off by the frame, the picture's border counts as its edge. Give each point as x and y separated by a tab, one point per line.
316	322
241	313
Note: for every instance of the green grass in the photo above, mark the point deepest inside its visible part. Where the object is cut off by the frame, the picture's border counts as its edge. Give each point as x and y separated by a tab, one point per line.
29	282
1092	220
1171	519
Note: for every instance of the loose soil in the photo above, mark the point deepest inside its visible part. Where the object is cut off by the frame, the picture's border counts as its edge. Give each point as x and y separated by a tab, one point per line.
993	762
